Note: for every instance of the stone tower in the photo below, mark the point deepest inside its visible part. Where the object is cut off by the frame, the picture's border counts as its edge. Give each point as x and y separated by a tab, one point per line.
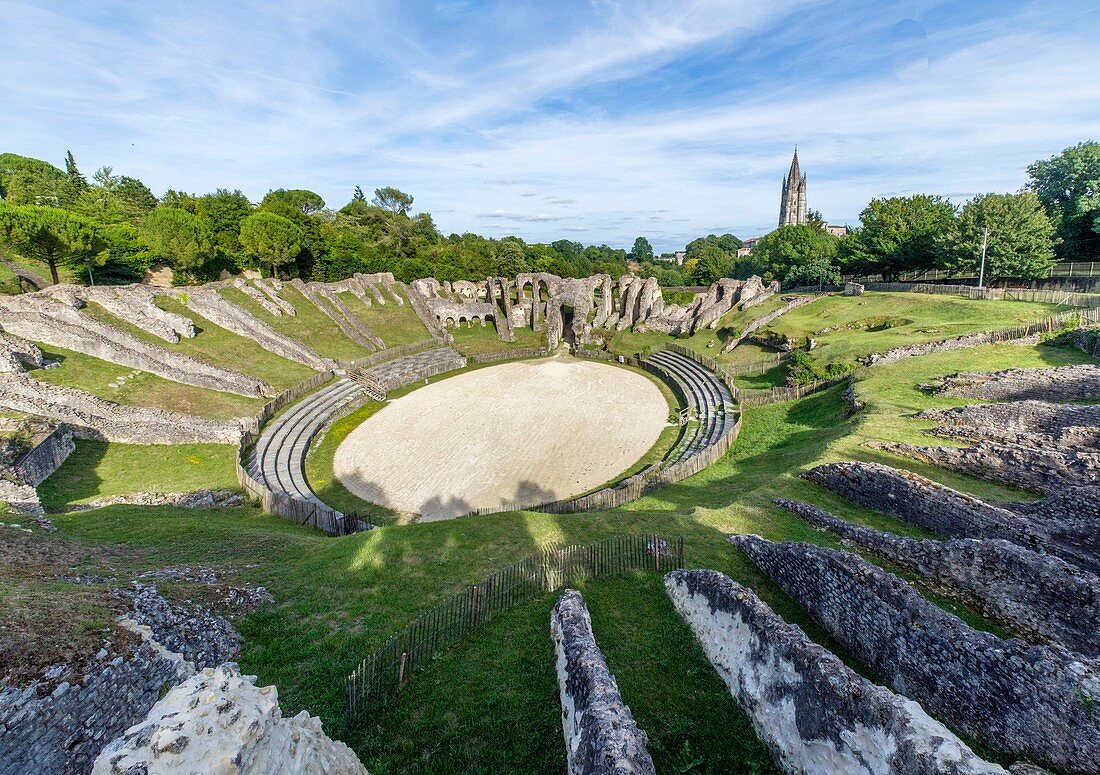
792	208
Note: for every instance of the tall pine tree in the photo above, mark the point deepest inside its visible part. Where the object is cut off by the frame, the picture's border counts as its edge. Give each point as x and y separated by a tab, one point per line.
76	181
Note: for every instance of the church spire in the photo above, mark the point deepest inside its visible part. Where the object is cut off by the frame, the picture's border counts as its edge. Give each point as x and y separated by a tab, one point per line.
792	207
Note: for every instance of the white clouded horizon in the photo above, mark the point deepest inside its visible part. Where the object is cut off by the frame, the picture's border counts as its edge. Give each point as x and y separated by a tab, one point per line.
597	121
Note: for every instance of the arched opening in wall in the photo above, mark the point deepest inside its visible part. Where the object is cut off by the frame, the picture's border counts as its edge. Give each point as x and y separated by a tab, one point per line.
567	334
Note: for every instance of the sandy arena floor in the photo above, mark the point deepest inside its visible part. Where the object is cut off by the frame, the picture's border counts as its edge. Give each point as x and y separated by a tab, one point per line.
521	433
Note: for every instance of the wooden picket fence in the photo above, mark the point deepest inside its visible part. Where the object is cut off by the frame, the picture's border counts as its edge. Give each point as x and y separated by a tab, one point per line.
379	677
779	394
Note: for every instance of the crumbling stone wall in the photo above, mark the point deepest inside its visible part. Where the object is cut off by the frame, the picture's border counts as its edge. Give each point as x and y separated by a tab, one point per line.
270	289
90	417
219	721
1032	423
16	354
40	318
924	348
601	736
1029	701
1037	595
135	304
1064	383
1029	468
813	712
61	722
953	514
196	499
1087	340
763	320
45	457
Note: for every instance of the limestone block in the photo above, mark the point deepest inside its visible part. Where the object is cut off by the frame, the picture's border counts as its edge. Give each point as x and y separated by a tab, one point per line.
218	722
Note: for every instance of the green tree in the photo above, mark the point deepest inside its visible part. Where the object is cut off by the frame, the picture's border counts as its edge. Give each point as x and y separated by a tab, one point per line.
510	256
271	239
358	196
711	264
392	200
292	203
1068	185
51	235
223	211
76	182
642	250
900	234
792	253
176	237
27	181
1020	236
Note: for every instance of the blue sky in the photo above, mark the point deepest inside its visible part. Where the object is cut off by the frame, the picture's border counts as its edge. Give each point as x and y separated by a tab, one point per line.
593	121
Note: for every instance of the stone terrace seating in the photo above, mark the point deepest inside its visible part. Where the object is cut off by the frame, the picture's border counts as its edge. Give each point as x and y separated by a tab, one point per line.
280	452
707	396
405	371
279	455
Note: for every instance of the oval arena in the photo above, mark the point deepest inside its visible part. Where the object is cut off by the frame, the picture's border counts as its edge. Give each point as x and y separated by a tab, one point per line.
517	435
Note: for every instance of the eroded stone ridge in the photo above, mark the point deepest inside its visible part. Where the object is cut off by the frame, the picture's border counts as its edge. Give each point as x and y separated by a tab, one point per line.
136	305
220	722
1064	383
813	712
16	354
763	320
1035	469
45	457
41	318
601	736
1031	701
93	418
1031	423
1037	595
953	514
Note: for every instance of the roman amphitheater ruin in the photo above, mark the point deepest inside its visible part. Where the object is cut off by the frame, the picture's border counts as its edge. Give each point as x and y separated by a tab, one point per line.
511	405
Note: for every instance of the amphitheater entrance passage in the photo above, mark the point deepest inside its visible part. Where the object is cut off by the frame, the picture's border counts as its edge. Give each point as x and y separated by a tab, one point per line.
568	335
510	436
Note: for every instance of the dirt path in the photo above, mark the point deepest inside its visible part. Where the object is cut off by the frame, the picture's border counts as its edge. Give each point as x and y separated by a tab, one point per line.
521	433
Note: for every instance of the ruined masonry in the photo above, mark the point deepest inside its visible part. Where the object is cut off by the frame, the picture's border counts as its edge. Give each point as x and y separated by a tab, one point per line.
813	712
1027	700
601	737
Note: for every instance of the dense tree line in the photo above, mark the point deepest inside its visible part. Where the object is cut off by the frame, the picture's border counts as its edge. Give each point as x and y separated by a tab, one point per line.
112	228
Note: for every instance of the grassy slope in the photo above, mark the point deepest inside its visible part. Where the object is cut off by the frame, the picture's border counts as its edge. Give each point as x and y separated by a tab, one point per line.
99	470
491	704
144	389
397	324
308	325
477	340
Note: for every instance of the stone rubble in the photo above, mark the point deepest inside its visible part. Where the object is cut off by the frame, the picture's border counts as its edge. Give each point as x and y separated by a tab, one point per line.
1064	383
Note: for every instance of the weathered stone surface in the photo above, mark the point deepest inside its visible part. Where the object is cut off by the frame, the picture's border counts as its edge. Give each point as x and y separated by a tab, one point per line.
45	457
601	736
197	499
270	289
16	354
920	501
924	348
1029	468
218	722
135	304
1030	423
1036	595
853	289
1029	701
814	713
763	320
199	636
93	418
1064	383
42	318
1087	340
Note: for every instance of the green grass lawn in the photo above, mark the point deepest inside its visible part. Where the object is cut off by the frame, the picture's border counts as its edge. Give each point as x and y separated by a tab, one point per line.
99	470
850	327
396	324
478	340
95	376
308	325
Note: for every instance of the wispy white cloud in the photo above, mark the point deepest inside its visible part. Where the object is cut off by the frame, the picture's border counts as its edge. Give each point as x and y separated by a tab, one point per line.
680	114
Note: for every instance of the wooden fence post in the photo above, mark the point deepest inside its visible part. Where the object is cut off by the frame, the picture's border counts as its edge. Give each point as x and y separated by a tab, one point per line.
473	606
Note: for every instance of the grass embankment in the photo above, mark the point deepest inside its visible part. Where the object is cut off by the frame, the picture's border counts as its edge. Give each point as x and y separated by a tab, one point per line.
215	345
100	470
309	325
123	386
396	324
477	340
491	705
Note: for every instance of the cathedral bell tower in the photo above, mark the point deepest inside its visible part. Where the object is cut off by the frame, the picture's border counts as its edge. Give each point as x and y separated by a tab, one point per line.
792	208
